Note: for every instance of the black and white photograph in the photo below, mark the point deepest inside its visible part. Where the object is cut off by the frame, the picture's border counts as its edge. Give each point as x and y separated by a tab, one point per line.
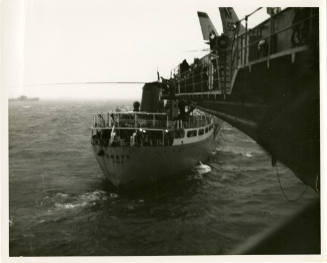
145	130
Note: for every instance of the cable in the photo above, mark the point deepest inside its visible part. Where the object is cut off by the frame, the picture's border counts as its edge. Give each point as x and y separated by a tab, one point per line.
283	191
84	83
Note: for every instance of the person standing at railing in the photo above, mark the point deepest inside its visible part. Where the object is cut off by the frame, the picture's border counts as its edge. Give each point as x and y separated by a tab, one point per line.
205	78
132	141
213	40
112	136
112	120
136	106
100	120
196	75
184	67
262	48
138	138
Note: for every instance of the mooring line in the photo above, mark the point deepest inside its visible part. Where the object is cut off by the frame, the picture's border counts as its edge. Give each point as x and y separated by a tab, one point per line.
283	191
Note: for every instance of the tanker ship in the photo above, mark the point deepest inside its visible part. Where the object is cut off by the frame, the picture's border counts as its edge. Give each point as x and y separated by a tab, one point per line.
158	139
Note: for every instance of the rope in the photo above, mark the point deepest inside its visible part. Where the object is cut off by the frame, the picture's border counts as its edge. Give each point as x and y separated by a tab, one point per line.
283	191
84	83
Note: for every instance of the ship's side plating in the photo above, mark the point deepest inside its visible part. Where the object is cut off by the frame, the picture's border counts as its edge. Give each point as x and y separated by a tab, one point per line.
134	166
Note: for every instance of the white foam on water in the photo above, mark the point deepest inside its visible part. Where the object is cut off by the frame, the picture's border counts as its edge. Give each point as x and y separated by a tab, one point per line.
62	195
70	205
202	168
249	154
83	200
93	196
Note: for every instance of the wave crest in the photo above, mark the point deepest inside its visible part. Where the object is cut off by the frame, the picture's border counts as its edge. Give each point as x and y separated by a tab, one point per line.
66	201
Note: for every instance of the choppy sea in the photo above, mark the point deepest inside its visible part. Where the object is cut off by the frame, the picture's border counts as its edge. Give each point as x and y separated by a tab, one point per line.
59	204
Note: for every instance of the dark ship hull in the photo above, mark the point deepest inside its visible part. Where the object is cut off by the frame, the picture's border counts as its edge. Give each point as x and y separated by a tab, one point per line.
279	107
265	81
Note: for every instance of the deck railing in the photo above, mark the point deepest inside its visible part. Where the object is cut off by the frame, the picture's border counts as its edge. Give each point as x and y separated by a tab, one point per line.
284	31
154	121
130	120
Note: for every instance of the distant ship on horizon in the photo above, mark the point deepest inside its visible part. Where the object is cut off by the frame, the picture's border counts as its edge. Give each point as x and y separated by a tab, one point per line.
24	98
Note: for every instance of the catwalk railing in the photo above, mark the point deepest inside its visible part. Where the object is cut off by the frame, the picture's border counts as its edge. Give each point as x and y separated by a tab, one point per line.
144	120
285	33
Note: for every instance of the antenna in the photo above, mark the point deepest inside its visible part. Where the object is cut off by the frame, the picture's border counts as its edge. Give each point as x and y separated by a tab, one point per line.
158	75
85	83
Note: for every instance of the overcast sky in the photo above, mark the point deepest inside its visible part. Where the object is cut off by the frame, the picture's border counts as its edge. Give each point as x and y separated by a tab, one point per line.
50	41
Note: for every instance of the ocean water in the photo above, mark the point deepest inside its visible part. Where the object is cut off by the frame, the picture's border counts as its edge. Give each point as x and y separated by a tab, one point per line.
59	204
